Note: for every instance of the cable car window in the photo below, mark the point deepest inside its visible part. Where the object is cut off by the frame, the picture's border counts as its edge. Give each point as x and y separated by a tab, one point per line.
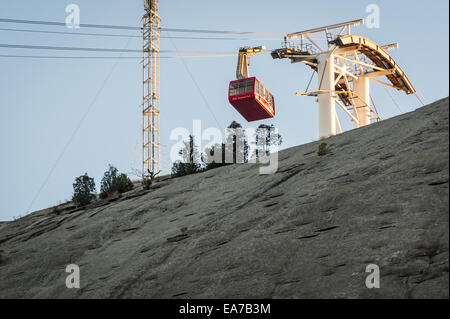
244	86
270	101
240	87
249	85
233	88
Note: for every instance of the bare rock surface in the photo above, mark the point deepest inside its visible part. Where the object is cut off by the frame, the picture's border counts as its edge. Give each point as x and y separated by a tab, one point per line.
308	231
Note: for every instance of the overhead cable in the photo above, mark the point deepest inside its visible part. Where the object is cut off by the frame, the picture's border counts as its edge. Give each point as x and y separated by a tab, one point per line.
121	27
46	47
76	33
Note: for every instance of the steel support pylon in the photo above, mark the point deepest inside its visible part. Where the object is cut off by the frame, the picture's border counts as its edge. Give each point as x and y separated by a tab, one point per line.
327	105
151	103
361	86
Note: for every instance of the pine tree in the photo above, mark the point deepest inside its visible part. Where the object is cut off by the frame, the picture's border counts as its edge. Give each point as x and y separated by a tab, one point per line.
190	163
83	190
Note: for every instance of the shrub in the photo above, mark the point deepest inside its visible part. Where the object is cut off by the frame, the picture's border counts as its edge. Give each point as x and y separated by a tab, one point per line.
112	182
148	180
147	183
83	190
183	169
123	184
1	256
323	149
56	210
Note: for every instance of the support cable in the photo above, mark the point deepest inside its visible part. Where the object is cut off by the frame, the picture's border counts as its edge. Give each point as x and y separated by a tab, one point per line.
75	131
310	81
422	101
116	50
136	36
197	86
323	74
373	103
110	57
393	100
121	27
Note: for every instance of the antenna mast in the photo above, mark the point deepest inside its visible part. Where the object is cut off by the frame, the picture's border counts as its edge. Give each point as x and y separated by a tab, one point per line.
150	106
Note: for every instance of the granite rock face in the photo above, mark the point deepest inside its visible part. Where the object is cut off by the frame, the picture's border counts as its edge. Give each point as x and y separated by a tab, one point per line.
309	231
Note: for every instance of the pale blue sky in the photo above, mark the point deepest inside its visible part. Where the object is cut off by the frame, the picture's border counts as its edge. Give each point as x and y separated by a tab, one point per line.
43	101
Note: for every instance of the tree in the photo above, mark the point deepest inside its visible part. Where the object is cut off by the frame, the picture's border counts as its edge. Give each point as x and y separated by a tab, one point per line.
234	150
237	144
83	190
214	157
190	163
265	139
108	181
123	184
113	182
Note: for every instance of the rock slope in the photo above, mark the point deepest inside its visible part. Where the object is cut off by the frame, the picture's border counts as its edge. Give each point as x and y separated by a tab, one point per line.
308	231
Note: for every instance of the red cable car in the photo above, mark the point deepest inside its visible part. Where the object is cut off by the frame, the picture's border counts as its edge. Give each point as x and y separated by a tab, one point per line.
250	98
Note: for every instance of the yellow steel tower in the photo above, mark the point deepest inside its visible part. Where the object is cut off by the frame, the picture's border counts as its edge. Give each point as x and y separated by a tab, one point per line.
150	106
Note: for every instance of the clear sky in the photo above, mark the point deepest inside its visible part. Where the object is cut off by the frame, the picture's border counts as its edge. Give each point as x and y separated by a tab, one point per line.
43	102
